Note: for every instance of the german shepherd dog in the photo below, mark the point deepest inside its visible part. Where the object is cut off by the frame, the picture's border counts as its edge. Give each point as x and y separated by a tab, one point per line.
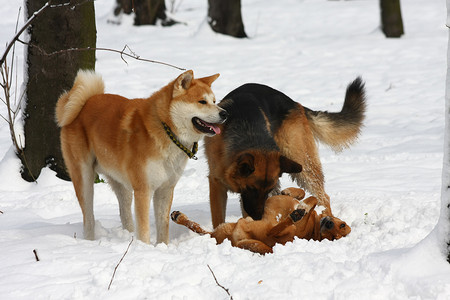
267	134
140	145
284	218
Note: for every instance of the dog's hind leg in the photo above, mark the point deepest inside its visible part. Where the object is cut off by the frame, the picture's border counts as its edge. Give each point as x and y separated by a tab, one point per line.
162	204
182	219
83	176
125	198
254	246
312	179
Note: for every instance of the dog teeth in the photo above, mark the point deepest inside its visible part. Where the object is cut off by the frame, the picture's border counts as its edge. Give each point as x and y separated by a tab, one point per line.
203	124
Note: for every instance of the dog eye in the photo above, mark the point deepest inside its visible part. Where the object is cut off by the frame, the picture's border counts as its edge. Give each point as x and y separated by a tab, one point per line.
342	225
202	102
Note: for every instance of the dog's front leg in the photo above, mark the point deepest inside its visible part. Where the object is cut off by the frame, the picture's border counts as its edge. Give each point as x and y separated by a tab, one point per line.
217	201
162	204
142	207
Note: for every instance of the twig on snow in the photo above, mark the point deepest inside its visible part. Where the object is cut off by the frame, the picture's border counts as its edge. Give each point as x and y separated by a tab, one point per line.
225	289
115	269
35	255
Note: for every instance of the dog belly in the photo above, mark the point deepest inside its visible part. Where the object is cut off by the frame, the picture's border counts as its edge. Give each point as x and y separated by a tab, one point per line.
160	172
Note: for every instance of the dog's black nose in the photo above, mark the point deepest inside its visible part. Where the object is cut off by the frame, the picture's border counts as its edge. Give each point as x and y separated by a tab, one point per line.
223	114
329	224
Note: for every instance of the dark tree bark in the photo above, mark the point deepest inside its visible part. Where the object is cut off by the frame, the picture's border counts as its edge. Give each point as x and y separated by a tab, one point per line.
391	18
224	16
58	28
146	12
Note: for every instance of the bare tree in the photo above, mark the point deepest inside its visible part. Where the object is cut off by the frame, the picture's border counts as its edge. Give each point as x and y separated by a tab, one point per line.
391	18
224	16
146	12
65	25
443	227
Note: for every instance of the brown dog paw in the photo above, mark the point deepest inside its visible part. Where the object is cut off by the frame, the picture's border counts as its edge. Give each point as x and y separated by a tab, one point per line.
174	215
296	193
297	215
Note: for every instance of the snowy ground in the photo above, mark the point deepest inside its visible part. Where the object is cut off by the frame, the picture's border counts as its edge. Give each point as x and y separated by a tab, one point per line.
387	187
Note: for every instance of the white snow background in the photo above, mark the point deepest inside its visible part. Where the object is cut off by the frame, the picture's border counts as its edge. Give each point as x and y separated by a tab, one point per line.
386	187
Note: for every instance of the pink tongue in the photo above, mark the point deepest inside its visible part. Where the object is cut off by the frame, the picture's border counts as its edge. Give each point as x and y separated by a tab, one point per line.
215	128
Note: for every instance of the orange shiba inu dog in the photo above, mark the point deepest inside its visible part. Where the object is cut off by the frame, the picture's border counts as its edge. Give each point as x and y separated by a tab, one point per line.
139	145
285	217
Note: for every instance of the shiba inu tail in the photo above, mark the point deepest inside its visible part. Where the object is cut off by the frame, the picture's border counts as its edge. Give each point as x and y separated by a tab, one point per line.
86	84
339	130
182	219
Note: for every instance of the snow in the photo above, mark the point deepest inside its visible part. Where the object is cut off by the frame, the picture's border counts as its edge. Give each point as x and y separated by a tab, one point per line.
386	187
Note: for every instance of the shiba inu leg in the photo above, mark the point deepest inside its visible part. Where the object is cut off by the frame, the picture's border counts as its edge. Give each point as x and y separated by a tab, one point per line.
162	202
217	201
125	198
142	208
82	176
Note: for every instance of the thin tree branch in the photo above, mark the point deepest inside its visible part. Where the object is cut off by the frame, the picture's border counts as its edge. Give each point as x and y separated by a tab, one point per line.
225	289
115	269
25	26
121	52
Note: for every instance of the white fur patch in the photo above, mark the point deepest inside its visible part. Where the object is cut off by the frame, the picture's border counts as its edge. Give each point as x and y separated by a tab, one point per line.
319	209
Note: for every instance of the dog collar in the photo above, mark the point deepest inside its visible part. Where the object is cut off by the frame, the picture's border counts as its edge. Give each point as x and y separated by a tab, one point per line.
189	153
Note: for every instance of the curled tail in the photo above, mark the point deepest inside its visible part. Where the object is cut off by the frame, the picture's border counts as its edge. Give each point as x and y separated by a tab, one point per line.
86	84
339	130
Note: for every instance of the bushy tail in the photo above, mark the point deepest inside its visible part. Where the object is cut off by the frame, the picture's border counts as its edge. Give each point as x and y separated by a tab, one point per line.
86	84
339	130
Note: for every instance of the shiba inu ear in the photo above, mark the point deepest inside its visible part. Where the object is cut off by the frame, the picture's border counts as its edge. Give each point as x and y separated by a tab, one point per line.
289	166
182	83
245	165
210	79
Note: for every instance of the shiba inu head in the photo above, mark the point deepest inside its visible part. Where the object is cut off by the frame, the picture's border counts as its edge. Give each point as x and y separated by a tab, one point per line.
193	107
254	174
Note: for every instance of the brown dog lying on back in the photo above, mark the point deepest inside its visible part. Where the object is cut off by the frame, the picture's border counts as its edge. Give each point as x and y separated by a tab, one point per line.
285	217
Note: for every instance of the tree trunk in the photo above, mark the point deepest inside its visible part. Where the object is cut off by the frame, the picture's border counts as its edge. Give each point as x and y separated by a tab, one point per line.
391	18
224	16
147	12
443	226
58	28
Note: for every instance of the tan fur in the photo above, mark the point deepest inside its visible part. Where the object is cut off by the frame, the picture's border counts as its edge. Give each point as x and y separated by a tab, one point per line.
276	225
126	141
326	132
67	111
297	143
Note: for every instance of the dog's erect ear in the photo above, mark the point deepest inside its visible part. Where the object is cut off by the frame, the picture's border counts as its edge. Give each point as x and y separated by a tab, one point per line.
289	166
210	79
245	165
182	83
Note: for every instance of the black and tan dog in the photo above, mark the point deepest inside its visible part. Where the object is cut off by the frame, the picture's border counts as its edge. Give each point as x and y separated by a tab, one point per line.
267	134
284	218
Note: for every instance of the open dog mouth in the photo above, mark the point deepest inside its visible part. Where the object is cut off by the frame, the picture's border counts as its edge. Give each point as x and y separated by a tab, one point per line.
205	127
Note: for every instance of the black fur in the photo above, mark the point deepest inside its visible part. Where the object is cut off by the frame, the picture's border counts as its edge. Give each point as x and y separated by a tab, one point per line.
247	108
